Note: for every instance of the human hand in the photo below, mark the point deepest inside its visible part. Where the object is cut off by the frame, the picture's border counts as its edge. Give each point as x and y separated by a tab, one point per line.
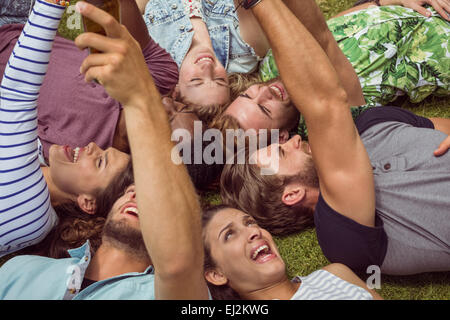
120	66
443	147
441	6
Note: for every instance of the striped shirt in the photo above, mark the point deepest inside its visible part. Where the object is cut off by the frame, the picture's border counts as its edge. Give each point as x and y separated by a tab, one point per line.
323	285
26	214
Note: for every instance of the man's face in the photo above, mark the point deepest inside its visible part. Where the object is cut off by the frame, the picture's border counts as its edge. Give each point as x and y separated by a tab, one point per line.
122	229
288	159
263	106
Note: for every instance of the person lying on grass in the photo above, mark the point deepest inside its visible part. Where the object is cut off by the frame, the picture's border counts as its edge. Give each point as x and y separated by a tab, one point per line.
378	193
151	246
242	262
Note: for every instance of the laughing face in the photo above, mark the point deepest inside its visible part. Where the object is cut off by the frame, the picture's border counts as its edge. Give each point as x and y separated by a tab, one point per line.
122	229
203	79
85	171
246	256
264	106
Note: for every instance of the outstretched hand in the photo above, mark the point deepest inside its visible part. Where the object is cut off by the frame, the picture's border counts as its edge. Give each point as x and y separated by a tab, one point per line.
120	67
443	147
441	6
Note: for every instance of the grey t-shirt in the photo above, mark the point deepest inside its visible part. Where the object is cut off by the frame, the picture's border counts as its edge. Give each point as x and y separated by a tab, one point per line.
412	187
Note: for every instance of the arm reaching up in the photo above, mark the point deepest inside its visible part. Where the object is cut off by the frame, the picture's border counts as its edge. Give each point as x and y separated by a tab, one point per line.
169	207
346	182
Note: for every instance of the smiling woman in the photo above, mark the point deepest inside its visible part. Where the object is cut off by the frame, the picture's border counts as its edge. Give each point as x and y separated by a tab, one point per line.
29	191
207	41
243	262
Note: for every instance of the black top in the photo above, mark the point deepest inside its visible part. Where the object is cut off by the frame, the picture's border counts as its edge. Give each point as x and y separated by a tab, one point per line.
342	239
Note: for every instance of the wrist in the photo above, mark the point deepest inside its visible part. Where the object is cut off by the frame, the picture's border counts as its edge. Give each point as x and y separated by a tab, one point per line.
63	3
248	4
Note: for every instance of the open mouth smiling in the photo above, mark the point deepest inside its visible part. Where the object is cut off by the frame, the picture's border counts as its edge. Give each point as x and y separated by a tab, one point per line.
262	253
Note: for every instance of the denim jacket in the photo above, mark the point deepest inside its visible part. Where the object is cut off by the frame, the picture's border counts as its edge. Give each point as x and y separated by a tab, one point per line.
171	28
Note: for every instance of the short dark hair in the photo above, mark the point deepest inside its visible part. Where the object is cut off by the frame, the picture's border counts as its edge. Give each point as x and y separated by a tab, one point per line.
203	175
244	187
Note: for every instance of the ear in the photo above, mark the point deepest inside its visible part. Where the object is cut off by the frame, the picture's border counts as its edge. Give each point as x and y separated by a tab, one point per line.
293	194
215	277
284	136
87	203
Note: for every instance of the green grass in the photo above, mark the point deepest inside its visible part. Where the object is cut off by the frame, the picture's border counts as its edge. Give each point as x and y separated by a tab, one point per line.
302	252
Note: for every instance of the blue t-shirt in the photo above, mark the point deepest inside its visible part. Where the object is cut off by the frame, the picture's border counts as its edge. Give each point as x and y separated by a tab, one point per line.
41	278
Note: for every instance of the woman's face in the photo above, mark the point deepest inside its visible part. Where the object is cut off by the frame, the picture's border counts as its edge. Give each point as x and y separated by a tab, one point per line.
202	79
263	106
86	170
244	253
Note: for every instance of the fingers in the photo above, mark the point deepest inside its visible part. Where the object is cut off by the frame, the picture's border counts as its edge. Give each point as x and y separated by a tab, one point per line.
99	42
437	6
101	66
445	5
112	27
443	147
418	7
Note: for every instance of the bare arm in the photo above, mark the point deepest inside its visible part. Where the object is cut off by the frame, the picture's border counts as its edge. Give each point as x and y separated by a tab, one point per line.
312	18
169	207
346	182
141	5
442	125
348	275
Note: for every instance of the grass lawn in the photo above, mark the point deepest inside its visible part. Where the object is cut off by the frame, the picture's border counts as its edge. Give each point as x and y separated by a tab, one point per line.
302	253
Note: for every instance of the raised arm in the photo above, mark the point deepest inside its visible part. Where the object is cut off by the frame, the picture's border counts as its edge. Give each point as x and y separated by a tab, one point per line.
169	207
342	163
26	215
308	12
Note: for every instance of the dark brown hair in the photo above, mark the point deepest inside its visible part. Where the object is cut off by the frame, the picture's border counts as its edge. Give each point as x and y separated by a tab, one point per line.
223	292
75	226
244	187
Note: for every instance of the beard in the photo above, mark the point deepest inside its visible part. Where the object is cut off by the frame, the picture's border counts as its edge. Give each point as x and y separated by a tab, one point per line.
124	237
307	176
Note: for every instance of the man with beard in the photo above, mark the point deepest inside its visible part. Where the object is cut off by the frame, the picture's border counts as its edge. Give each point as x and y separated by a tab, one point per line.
378	193
165	261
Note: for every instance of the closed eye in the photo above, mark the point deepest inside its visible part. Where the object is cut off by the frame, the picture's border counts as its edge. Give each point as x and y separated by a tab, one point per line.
260	106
